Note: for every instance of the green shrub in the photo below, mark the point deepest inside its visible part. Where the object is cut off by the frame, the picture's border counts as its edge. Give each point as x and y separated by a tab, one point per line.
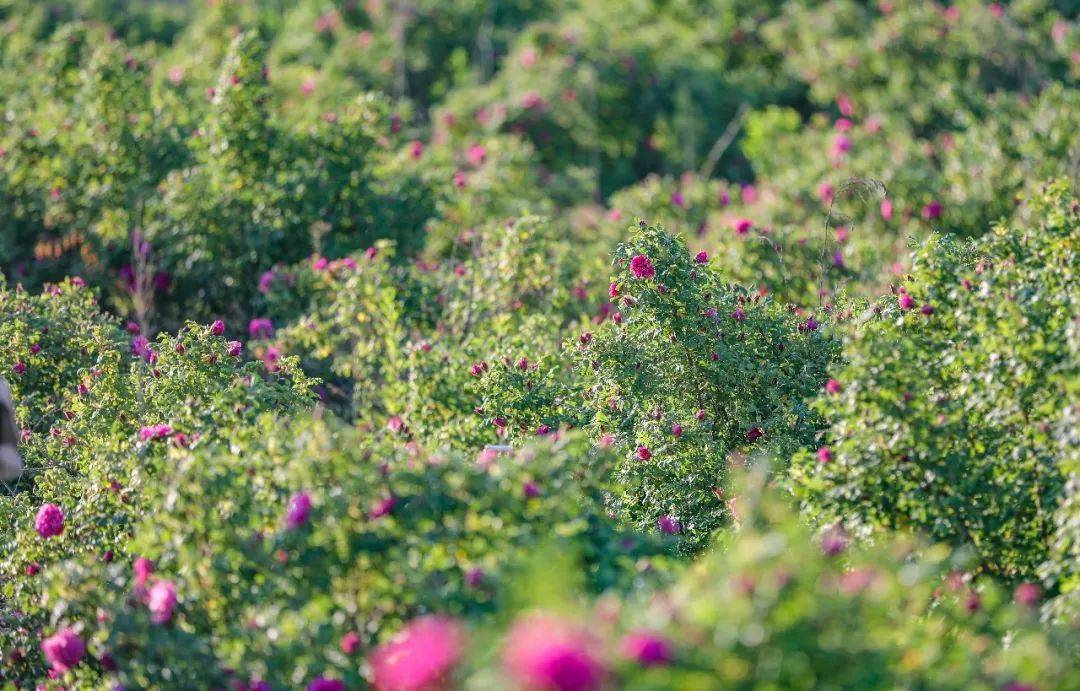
948	415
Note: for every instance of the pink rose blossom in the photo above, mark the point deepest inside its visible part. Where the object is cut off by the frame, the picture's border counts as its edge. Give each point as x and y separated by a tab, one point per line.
641	267
299	510
421	657
669	525
161	601
546	652
49	521
647	649
63	650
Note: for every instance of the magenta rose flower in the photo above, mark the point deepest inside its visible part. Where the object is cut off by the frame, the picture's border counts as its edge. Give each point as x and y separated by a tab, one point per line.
422	656
49	521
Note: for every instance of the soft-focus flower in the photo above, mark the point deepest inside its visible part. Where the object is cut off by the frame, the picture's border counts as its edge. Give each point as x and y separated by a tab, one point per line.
668	525
63	650
824	454
886	209
646	648
19	367
350	643
932	211
143	568
834	540
422	656
906	301
383	507
742	226
299	510
641	267
676	430
260	328
1027	594
739	314
927	309
49	521
217	328
833	386
395	424
753	434
530	490
159	431
161	601
545	652
325	684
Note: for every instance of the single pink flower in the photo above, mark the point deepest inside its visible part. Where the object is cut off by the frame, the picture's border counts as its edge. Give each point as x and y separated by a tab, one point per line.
217	328
143	568
824	454
669	525
886	209
742	226
350	643
421	657
646	648
546	652
932	211
701	258
63	650
833	386
643	453
161	601
299	510
49	521
1027	594
641	267
906	301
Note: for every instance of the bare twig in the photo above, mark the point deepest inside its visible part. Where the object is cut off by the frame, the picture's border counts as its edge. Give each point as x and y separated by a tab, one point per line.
724	141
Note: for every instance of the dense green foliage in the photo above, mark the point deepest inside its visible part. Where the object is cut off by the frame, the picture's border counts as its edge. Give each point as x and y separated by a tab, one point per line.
426	344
